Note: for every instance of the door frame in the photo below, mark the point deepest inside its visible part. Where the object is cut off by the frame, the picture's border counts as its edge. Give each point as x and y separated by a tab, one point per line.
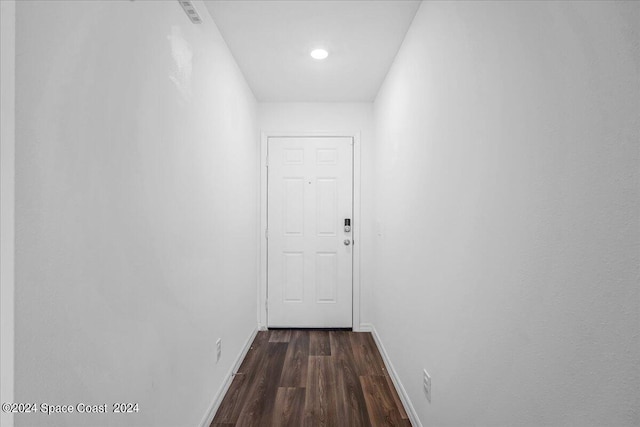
262	253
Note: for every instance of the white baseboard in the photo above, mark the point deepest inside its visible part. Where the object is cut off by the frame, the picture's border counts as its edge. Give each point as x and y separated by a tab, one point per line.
365	327
208	417
404	397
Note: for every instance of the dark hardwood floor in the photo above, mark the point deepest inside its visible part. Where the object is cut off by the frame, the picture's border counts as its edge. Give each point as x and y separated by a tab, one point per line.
312	378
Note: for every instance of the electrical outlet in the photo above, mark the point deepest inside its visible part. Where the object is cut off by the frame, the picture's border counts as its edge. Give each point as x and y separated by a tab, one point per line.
426	383
218	349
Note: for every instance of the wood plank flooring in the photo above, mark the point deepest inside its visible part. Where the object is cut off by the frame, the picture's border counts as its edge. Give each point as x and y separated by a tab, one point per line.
312	378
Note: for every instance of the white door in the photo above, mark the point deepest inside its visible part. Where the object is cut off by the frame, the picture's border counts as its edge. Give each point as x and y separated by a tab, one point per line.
309	250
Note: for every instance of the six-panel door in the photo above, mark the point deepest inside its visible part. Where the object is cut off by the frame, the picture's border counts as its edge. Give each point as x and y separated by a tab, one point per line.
309	268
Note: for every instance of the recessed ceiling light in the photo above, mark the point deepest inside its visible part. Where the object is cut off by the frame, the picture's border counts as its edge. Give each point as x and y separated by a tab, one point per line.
319	53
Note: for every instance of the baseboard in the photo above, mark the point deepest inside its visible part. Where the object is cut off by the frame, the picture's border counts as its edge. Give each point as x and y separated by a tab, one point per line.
208	417
365	327
404	397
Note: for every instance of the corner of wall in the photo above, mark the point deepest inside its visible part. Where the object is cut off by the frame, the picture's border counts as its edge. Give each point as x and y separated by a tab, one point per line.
397	383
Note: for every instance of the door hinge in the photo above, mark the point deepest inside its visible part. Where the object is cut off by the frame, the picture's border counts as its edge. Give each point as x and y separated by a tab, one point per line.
266	161
266	233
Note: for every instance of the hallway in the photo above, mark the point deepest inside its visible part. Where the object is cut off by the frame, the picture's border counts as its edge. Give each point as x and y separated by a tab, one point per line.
484	227
312	378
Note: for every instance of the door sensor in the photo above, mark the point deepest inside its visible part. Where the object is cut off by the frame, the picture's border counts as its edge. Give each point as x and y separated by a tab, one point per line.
191	11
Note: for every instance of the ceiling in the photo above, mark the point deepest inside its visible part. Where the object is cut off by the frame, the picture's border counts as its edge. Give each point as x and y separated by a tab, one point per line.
271	41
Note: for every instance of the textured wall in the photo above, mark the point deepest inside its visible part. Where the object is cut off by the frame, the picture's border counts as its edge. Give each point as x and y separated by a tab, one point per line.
508	205
136	210
7	200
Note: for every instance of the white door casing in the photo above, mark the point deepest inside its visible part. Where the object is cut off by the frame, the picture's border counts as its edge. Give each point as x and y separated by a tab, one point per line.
309	253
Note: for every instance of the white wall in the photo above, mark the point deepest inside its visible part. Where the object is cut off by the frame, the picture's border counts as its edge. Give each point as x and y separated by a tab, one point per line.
7	200
136	210
349	117
508	195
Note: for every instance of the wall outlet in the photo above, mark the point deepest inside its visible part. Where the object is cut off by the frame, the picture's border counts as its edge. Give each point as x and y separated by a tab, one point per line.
218	349
426	384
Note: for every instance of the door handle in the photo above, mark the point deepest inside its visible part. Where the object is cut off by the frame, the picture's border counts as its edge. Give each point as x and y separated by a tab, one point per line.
347	242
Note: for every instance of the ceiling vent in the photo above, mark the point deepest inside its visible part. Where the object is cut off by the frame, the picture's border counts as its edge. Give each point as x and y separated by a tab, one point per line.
191	11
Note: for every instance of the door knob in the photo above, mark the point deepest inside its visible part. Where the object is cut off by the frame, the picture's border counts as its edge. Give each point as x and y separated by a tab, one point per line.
347	242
